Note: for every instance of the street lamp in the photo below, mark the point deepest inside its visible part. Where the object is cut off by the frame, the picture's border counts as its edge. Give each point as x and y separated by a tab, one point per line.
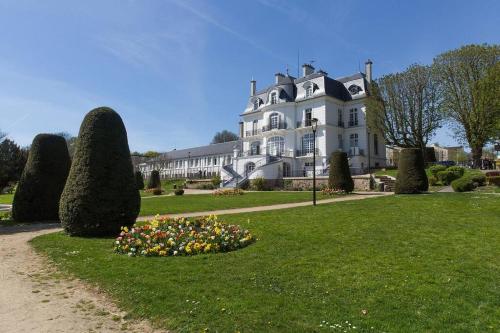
314	126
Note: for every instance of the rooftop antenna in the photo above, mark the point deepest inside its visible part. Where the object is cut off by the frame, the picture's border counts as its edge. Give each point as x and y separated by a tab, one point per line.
287	74
359	67
312	62
298	63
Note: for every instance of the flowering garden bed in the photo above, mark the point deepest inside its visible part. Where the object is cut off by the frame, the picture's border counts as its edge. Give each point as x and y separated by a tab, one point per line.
229	191
164	237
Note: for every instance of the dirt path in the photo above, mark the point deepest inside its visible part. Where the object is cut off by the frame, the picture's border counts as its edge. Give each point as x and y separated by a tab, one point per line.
34	298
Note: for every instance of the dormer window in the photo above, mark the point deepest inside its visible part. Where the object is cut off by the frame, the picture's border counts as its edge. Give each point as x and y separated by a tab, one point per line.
274	98
354	89
309	91
256	104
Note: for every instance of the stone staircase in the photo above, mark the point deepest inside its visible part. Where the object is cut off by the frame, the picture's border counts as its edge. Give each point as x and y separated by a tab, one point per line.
389	182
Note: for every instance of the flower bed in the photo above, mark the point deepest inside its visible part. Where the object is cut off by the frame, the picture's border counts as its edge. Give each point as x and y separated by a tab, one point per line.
332	191
163	237
229	191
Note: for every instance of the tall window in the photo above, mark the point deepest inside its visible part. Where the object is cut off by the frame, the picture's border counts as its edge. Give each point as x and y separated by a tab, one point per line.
307	143
275	145
353	117
308	117
255	148
254	127
375	143
353	140
274	98
341	141
309	90
274	120
340	120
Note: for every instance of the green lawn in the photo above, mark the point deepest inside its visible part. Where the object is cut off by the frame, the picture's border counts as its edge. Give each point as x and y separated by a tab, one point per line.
6	198
205	202
423	263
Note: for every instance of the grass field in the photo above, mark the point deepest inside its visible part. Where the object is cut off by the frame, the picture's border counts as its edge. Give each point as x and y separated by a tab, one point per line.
205	202
6	198
423	263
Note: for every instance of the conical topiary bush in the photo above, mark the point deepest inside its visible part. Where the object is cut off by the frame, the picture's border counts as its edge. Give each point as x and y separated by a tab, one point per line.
100	194
411	177
154	180
42	181
139	180
340	174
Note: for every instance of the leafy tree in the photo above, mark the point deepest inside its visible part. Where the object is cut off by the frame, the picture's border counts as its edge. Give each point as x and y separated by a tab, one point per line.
469	77
151	154
42	181
12	161
224	136
406	107
70	141
100	194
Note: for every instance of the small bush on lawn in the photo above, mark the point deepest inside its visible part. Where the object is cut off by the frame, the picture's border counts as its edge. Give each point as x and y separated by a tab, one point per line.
165	237
259	184
478	178
464	184
228	192
154	180
494	180
436	168
433	181
157	191
179	191
139	180
216	181
446	177
457	169
332	191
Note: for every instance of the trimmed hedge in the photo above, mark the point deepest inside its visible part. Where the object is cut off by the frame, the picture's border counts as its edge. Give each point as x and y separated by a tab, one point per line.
457	169
340	174
154	180
446	177
436	168
478	178
101	193
42	181
464	184
411	177
139	180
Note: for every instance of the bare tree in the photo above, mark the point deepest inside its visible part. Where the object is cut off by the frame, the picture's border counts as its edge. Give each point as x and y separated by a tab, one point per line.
406	107
224	136
471	93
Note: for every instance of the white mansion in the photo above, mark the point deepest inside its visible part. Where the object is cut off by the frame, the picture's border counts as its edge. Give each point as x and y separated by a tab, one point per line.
276	138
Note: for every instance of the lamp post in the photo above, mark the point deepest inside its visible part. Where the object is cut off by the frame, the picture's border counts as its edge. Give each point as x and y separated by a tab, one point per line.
314	126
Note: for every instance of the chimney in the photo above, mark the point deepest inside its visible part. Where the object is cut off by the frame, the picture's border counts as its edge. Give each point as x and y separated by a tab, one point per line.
241	129
278	77
368	70
307	69
253	86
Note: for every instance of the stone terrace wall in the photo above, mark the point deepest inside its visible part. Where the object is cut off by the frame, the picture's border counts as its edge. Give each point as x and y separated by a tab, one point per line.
361	183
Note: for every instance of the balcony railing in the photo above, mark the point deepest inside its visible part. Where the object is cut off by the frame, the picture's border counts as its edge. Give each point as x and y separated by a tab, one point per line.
305	152
253	132
280	125
305	123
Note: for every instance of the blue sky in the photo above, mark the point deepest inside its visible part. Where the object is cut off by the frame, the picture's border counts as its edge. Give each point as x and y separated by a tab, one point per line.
178	71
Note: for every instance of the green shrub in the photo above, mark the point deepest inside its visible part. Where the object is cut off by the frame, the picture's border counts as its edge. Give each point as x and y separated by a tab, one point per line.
436	168
259	184
42	181
494	180
464	184
216	181
446	177
157	191
139	180
340	175
100	194
179	191
411	177
154	180
433	181
457	169
478	178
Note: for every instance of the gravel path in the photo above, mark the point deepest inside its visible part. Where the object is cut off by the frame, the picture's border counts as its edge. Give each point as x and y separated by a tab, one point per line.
35	298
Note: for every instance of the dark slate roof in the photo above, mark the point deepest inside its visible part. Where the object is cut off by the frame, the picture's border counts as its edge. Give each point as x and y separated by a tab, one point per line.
213	149
351	77
336	89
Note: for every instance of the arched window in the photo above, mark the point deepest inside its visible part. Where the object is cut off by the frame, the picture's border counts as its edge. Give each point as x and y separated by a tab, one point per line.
275	145
274	97
249	167
256	104
309	91
255	148
307	143
353	139
274	120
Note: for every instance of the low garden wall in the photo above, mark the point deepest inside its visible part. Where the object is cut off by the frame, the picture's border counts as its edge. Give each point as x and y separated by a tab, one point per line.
197	183
361	183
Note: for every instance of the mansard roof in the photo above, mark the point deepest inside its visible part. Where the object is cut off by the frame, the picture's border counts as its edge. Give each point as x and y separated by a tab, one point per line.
208	150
